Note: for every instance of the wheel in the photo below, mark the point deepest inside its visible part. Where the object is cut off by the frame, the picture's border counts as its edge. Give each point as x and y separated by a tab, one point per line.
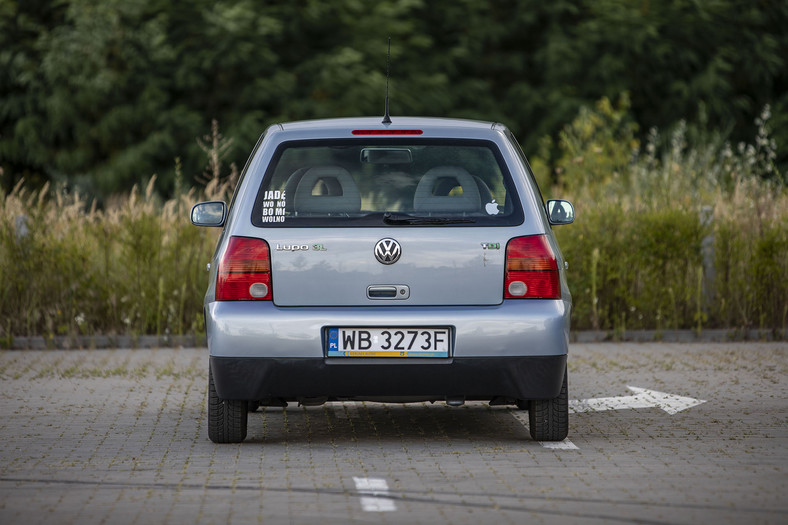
548	419
226	417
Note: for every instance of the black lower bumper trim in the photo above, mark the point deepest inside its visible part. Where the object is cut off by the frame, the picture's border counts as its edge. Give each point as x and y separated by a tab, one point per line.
474	378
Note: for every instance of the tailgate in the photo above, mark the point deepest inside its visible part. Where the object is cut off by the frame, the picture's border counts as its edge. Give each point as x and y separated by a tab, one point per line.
339	267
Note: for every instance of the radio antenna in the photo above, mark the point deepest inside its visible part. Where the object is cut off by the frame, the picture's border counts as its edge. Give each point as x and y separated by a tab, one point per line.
386	117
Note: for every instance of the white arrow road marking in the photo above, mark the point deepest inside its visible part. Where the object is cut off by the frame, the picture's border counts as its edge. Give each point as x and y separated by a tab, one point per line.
375	488
643	398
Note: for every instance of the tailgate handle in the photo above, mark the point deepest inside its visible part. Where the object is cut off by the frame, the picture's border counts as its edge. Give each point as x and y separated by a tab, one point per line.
388	291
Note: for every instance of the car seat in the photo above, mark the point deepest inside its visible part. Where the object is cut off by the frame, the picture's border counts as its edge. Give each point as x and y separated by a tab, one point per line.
323	189
433	191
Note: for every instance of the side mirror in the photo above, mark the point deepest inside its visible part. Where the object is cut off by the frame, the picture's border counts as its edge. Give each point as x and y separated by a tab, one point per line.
211	213
560	212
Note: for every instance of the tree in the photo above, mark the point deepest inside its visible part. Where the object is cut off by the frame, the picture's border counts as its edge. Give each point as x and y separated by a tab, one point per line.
102	94
22	88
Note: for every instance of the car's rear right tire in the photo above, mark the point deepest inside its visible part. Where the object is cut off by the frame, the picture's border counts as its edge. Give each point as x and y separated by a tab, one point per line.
548	419
226	417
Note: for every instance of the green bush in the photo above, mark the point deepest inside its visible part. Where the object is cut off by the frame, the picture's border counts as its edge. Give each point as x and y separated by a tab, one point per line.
633	270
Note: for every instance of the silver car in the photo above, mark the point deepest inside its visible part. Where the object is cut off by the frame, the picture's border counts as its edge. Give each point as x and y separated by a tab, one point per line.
404	262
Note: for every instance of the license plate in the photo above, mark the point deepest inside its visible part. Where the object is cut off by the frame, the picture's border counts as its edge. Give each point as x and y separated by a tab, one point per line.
388	342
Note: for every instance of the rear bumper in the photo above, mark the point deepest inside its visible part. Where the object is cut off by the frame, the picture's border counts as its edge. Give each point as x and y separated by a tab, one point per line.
483	378
511	329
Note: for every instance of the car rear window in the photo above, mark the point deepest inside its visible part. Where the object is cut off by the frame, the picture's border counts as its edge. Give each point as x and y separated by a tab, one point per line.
373	182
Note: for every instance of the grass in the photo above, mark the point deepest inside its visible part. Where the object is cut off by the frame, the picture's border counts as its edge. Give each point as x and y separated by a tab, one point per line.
134	268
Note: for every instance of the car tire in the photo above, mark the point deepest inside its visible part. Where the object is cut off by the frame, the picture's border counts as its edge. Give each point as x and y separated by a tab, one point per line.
548	419
226	417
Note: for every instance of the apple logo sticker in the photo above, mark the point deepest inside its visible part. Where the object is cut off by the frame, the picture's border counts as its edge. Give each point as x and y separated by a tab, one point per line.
491	208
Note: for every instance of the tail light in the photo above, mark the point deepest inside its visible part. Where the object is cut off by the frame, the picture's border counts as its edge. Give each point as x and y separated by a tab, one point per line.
531	269
245	271
387	132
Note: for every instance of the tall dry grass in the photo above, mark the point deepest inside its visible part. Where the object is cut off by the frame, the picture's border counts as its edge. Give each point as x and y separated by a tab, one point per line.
694	237
136	267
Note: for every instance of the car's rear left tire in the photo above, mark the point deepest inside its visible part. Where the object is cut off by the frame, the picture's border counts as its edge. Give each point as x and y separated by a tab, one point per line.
227	418
548	419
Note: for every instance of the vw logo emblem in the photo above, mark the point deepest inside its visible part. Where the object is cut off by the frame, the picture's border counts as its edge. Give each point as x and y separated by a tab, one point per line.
387	251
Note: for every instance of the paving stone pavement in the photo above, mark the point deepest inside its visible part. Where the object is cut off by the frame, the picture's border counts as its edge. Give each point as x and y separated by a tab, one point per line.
119	436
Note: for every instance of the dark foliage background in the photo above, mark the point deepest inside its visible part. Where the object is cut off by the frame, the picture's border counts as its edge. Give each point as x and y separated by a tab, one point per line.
102	94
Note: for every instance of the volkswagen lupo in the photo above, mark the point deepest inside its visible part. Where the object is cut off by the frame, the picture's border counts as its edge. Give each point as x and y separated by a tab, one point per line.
410	261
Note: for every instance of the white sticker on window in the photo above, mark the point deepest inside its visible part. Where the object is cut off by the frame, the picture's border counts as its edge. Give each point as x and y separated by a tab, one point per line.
274	203
492	208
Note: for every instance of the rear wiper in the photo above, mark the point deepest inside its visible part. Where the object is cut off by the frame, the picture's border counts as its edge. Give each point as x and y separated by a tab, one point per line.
390	218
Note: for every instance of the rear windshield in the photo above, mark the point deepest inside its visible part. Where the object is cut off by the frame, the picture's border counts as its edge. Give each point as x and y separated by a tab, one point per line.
387	182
